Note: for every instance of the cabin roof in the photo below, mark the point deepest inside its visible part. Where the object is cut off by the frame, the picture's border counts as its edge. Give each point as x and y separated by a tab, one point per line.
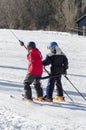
81	18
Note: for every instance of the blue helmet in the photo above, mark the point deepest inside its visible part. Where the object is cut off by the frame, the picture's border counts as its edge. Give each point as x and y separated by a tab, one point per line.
52	45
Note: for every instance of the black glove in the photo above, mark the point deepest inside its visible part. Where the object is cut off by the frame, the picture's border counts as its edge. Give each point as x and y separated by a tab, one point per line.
21	43
65	72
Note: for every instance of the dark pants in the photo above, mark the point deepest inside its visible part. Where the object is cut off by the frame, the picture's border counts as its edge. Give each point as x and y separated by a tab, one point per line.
50	87
35	79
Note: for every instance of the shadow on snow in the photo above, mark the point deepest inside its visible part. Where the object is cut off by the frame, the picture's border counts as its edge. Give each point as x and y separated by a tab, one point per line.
68	105
12	67
19	68
10	84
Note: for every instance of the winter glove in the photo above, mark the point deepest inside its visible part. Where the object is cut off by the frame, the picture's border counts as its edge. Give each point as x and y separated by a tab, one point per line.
65	72
21	43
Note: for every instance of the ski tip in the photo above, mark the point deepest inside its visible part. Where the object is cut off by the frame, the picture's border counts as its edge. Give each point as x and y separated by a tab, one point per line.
11	96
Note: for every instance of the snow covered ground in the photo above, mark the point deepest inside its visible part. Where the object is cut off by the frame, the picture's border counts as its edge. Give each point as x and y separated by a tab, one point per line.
18	115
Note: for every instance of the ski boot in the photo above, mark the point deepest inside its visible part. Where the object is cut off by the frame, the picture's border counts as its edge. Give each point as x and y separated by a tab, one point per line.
59	98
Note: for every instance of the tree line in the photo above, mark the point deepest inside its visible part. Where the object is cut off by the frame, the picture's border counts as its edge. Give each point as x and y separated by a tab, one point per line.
40	14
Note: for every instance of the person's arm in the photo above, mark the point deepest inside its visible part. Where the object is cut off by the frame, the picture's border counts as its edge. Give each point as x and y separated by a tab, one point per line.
46	61
22	44
65	65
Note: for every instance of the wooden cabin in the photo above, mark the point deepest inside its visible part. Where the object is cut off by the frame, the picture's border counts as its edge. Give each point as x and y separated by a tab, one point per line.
81	23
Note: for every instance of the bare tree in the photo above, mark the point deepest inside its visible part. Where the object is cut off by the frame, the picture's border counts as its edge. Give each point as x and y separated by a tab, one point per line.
40	14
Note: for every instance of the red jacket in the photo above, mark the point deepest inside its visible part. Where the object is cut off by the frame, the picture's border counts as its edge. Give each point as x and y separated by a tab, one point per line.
34	58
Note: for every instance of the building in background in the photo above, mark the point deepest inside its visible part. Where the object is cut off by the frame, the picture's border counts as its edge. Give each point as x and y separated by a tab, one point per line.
81	23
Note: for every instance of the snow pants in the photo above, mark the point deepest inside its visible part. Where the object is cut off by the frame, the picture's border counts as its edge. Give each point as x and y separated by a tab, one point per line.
35	79
50	87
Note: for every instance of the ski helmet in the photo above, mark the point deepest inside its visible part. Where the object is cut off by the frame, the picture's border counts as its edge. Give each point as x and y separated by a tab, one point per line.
52	46
31	45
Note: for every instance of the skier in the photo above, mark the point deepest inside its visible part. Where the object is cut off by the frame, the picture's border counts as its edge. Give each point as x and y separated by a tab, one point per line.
35	67
59	64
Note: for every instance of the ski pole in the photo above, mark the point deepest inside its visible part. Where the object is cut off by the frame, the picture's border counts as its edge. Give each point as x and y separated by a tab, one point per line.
68	95
75	87
18	39
59	86
46	71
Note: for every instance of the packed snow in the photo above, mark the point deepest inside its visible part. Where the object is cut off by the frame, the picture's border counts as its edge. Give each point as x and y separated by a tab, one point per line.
16	114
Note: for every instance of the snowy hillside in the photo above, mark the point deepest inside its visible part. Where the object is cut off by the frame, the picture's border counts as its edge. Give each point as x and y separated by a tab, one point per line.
18	115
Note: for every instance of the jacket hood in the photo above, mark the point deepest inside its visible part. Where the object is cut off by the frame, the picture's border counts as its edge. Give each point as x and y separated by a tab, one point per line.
58	51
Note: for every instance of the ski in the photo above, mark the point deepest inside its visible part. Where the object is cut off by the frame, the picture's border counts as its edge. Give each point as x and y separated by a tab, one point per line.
64	104
22	99
34	101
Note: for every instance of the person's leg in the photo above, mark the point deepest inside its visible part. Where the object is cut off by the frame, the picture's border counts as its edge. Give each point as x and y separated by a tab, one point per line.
59	96
50	88
28	80
59	86
38	87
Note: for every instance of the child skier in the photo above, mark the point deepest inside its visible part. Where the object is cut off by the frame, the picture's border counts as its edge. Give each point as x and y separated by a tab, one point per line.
59	64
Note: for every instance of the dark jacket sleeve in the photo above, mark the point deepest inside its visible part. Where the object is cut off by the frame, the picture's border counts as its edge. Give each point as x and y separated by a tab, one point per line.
65	63
46	61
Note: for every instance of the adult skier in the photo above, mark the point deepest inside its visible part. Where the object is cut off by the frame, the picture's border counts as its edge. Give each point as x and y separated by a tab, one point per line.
35	69
59	64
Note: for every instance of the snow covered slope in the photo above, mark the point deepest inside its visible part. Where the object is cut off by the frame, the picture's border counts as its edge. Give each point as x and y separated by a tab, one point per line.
18	115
